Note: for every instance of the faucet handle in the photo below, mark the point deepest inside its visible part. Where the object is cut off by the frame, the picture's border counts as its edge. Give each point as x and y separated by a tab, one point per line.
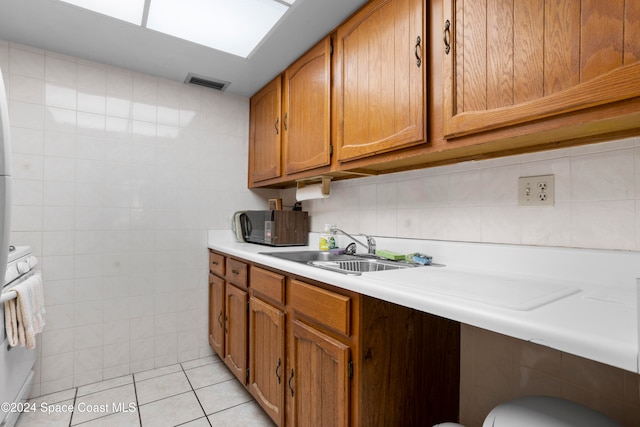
371	244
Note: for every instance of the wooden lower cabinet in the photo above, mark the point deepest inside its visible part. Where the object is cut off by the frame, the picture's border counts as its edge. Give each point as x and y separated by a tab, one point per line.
235	354
318	378
316	355
407	367
267	369
216	314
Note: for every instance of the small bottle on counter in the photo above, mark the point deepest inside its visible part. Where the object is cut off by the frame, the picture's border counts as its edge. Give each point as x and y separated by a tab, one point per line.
325	237
332	240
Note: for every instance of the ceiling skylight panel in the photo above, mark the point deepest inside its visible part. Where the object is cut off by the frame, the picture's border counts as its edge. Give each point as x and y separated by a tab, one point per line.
125	10
233	26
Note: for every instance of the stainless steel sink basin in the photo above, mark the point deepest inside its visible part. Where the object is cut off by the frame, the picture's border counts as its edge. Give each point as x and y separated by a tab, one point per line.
308	256
360	265
345	264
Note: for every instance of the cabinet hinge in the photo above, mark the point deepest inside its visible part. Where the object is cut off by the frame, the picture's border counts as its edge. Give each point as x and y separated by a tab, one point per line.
330	150
247	381
330	49
350	369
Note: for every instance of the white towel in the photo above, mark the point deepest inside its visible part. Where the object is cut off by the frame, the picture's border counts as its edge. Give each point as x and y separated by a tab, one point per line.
24	316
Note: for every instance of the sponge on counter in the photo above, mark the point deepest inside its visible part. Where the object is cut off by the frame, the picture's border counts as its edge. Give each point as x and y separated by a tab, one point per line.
390	255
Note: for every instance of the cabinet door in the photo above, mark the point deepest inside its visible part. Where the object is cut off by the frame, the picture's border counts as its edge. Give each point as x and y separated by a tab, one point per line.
265	130
266	358
380	79
306	117
513	62
318	379
216	314
235	345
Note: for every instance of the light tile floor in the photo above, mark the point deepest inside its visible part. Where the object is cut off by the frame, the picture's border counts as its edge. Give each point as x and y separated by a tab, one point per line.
198	393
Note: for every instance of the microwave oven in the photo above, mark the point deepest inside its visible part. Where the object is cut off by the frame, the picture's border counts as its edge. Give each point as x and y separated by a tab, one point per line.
275	227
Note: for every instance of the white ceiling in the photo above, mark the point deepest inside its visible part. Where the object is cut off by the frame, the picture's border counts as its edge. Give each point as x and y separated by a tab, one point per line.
57	26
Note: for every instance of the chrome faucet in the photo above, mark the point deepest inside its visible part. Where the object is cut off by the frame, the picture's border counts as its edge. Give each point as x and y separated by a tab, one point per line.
371	243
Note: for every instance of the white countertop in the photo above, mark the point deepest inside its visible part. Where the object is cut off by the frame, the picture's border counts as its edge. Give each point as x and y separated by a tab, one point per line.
503	288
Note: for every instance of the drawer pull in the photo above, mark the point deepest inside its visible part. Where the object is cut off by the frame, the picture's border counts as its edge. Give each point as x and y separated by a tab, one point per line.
278	369
214	262
447	36
236	272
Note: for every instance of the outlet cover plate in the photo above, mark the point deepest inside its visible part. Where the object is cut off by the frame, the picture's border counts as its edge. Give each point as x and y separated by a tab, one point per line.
536	190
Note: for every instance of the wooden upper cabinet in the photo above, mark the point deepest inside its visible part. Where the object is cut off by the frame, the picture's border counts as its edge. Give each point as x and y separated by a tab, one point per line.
516	61
265	131
380	79
306	116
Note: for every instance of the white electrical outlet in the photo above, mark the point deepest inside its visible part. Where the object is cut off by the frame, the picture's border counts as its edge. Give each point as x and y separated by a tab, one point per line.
536	190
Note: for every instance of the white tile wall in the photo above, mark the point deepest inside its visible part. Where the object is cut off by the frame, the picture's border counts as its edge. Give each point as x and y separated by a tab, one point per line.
597	200
118	176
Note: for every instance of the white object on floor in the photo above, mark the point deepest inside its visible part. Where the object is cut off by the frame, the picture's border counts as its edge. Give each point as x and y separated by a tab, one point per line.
545	411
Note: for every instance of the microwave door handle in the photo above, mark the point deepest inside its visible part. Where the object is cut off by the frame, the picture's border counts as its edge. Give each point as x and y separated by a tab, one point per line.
246	225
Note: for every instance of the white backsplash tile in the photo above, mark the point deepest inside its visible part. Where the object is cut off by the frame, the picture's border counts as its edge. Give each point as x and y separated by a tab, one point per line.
605	224
637	169
92	76
597	190
603	176
26	89
26	61
61	70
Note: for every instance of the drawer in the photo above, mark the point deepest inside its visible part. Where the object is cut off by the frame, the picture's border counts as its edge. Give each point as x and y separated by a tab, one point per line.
216	263
267	283
328	308
237	272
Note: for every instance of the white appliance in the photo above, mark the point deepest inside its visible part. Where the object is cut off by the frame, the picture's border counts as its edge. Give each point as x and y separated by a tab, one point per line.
5	176
16	363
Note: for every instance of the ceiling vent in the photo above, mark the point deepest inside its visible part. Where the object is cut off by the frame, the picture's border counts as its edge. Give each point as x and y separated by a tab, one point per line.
206	82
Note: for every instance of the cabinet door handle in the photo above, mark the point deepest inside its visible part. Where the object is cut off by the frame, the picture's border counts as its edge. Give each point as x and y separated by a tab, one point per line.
277	369
447	36
220	319
417	48
284	121
277	125
290	379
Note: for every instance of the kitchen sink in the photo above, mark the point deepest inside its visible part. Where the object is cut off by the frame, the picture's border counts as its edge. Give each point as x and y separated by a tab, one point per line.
309	256
342	263
360	265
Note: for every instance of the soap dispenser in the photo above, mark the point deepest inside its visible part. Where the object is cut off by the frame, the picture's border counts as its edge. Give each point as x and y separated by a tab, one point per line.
325	238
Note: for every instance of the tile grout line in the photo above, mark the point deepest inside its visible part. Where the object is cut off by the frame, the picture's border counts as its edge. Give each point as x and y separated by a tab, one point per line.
196	395
75	398
108	414
182	369
135	392
234	406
